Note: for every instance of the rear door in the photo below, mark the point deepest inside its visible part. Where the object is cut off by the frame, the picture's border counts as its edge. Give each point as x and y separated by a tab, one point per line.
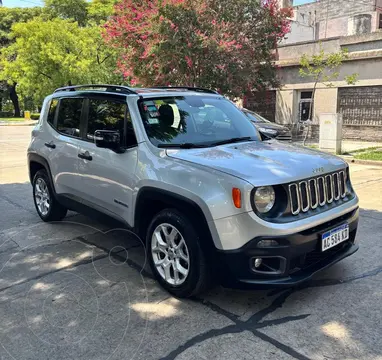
108	177
62	142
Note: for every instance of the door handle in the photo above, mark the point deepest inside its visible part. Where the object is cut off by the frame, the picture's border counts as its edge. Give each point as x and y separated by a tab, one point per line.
50	145
85	156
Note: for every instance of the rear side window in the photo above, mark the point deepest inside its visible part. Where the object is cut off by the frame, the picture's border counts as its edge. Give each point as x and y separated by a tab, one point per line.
52	111
105	114
69	116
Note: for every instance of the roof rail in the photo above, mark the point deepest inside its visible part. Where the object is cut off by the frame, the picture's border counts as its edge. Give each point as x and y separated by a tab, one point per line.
198	89
109	88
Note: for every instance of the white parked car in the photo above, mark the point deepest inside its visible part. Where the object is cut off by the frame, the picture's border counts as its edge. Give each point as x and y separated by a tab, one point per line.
188	172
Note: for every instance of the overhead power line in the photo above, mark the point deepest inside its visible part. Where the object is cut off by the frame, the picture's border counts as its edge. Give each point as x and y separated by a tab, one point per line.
32	2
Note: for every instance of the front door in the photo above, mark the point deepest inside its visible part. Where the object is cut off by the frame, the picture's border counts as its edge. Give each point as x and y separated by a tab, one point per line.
107	176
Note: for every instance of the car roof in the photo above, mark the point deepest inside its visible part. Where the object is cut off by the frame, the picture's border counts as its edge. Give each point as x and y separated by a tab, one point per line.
124	90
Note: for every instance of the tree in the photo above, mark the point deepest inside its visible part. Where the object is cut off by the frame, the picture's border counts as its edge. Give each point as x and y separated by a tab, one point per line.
75	10
226	45
50	54
324	68
100	10
8	17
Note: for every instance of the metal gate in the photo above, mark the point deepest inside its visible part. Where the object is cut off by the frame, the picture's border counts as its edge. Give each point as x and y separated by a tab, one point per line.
361	105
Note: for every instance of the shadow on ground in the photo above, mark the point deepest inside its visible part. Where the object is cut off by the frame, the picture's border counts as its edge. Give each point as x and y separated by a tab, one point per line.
77	289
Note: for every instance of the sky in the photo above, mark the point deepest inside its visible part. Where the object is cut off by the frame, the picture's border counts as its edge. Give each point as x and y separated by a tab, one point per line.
26	3
298	2
21	3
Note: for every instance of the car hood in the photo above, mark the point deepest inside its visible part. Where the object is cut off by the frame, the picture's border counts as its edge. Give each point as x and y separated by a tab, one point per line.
270	126
262	163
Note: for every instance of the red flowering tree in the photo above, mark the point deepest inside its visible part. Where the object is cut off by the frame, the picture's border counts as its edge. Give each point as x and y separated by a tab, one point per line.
227	45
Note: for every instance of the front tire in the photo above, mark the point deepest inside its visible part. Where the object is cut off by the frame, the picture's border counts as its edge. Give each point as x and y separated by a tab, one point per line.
48	208
175	255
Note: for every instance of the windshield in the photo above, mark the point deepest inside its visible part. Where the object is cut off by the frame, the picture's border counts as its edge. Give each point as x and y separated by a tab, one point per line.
255	117
194	121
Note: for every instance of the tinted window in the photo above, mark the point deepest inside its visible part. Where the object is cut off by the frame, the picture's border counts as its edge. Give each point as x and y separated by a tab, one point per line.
255	117
52	111
69	116
197	120
105	115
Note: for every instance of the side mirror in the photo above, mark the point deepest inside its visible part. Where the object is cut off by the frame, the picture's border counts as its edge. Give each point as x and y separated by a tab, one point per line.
108	139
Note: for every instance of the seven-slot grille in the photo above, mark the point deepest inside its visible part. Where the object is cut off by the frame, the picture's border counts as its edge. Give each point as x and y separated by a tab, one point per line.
309	194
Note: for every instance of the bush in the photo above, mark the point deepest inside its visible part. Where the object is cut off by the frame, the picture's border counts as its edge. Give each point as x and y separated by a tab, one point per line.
6	114
35	116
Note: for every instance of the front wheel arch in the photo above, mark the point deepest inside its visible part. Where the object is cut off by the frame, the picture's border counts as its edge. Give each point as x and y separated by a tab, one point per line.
151	201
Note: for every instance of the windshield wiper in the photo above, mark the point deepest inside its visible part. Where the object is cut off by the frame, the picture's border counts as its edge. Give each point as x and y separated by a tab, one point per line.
232	140
182	146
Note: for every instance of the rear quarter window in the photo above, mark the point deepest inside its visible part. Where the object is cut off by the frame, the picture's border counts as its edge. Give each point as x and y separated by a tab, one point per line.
52	111
69	116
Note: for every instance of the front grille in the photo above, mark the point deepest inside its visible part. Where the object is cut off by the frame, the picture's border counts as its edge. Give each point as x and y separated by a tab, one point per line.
284	136
309	194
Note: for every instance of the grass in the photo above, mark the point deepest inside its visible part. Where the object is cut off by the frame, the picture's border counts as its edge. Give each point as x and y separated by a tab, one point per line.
375	155
11	119
369	149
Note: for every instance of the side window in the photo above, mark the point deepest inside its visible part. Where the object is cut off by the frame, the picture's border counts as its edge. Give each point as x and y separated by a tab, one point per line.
107	114
52	111
69	116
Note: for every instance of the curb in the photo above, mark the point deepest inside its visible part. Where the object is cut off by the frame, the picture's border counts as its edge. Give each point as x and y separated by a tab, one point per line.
19	123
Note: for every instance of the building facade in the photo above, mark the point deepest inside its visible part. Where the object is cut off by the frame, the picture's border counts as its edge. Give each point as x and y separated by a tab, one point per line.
332	25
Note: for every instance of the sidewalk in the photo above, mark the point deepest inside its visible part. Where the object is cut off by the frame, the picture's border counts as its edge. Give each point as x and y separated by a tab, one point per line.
348	146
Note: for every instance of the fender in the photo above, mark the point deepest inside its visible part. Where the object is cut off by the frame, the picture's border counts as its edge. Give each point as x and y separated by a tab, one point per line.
144	213
33	157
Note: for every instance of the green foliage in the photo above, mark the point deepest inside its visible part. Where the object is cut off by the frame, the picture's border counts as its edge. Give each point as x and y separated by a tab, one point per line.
100	10
50	54
10	16
324	68
35	116
75	10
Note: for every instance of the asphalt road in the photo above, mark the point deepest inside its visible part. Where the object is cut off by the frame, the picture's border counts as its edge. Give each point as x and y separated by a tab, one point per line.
76	290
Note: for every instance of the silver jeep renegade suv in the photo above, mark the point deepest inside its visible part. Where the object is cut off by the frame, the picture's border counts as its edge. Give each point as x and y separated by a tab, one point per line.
188	172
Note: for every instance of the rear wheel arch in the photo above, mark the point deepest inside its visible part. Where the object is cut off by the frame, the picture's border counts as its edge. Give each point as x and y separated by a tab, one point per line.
37	162
150	201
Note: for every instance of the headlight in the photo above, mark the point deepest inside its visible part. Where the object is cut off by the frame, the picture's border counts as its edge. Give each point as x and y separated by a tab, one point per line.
268	131
264	199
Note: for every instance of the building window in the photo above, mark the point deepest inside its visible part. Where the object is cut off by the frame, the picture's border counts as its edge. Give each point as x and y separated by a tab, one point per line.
380	21
305	106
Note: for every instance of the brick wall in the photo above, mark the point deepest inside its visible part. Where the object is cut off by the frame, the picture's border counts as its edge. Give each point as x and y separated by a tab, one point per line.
353	132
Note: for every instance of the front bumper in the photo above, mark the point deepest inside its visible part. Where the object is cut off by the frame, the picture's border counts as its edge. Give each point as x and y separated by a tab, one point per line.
299	255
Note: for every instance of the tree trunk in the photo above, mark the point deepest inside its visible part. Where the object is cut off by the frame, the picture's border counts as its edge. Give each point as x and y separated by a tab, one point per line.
15	99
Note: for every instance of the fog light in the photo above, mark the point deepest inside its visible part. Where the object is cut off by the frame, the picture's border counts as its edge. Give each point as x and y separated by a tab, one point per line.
258	262
267	243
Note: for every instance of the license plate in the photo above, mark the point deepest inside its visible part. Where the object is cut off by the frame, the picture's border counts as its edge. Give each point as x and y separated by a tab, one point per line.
335	237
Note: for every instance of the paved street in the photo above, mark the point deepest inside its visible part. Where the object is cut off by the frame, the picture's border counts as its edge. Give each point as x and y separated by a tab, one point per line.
77	290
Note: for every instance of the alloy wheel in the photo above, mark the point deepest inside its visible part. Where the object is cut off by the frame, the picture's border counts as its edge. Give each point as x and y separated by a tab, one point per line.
42	196
170	254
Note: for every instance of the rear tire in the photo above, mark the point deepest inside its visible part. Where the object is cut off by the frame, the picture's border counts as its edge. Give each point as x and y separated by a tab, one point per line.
185	256
47	206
